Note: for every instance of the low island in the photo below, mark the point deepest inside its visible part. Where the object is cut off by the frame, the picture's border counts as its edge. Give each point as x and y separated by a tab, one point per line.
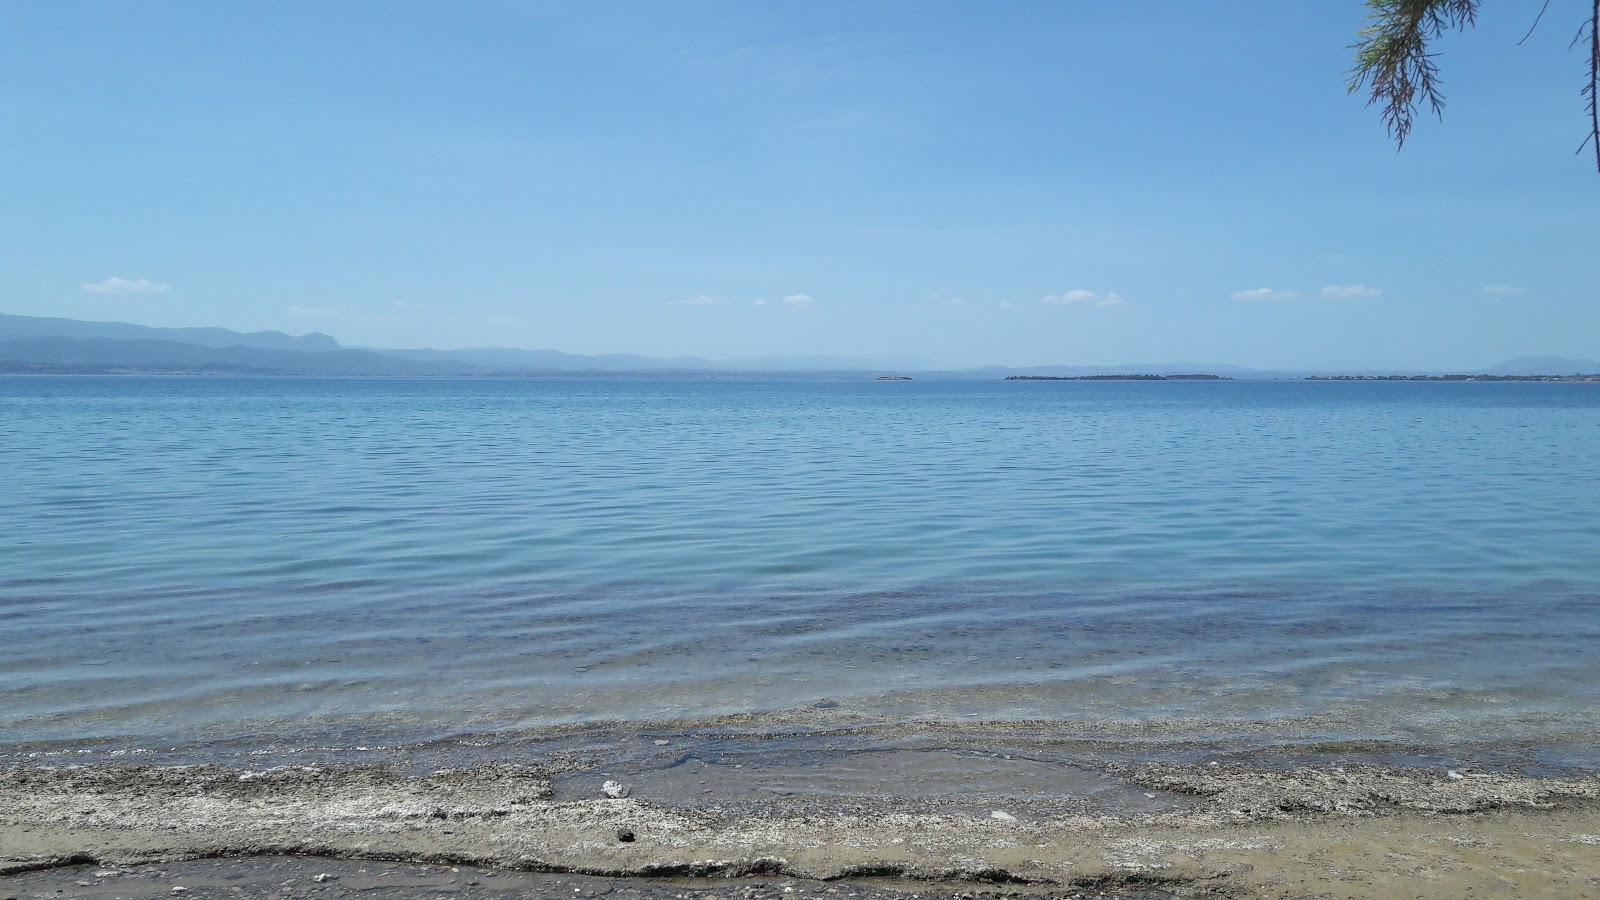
1151	377
1479	377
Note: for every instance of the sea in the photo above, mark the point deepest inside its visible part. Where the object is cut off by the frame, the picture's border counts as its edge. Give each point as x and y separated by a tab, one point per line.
204	566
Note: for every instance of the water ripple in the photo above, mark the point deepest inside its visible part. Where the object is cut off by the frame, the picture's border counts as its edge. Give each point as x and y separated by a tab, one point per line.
192	555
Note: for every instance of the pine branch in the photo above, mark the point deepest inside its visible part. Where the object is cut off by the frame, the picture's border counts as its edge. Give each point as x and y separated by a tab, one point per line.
1536	19
1392	56
1592	89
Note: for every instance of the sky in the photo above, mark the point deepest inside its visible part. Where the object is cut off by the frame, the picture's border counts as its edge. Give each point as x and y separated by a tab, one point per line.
1022	183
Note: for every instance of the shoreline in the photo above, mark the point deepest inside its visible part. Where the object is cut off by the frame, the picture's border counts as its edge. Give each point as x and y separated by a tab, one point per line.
829	728
936	815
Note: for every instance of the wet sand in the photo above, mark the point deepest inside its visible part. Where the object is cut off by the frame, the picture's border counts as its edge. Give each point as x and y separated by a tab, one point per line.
1227	829
301	878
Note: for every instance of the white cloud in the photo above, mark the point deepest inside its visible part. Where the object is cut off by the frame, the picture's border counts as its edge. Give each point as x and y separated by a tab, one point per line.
125	286
1349	292
758	302
799	301
1006	304
1504	290
406	304
1081	296
700	300
1265	294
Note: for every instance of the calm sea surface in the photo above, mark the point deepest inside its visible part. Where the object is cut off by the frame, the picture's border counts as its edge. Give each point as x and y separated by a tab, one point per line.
220	559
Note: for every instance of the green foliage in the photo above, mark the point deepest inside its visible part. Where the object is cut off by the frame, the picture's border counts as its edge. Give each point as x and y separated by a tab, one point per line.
1393	63
1392	56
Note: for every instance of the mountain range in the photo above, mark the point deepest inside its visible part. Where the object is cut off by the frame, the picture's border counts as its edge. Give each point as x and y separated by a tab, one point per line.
46	344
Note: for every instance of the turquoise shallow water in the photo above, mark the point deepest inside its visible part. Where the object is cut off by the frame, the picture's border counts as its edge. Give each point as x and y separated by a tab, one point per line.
316	559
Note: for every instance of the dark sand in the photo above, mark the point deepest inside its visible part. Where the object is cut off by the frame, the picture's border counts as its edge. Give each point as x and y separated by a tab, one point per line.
301	878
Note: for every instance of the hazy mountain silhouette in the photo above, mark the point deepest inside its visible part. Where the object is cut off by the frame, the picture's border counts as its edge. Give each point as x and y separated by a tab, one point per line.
13	328
84	354
38	343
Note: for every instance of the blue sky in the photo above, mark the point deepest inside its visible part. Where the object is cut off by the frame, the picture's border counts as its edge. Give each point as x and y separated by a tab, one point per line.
1017	183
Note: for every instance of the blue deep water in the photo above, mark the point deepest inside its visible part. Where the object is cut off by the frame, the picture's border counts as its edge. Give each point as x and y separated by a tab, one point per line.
225	558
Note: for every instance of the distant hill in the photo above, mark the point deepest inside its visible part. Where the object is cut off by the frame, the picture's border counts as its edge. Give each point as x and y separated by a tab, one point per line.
46	344
38	343
14	328
65	354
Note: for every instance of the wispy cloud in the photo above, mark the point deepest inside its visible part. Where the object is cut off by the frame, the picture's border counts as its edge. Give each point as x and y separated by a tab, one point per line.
1349	292
700	300
758	302
1007	304
314	311
115	285
799	301
1265	294
1088	298
1069	297
406	304
1504	290
942	300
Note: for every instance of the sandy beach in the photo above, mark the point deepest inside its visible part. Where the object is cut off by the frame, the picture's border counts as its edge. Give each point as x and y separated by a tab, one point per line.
1228	830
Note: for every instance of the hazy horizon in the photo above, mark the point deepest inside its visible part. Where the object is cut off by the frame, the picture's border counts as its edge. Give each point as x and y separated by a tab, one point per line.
1542	364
